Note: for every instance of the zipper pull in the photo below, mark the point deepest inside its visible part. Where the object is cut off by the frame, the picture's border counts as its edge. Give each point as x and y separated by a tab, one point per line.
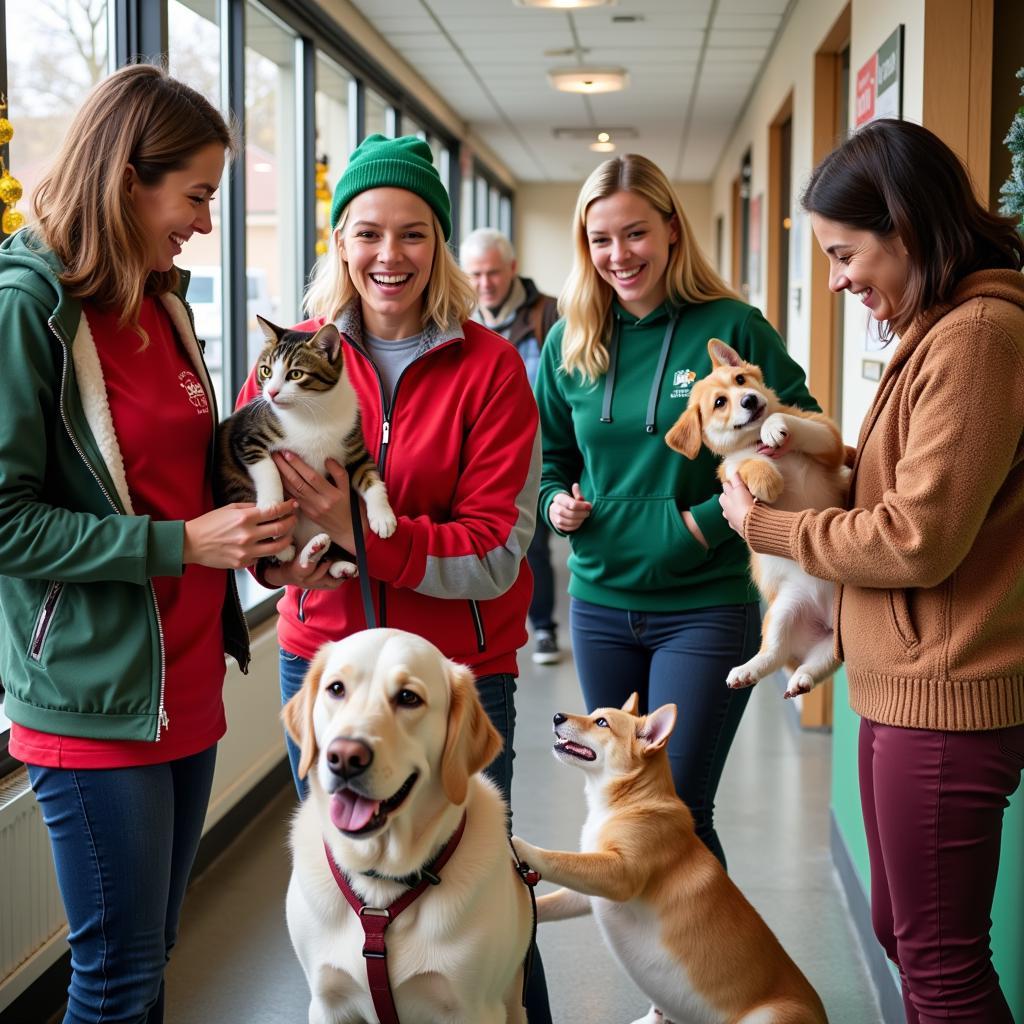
165	722
385	432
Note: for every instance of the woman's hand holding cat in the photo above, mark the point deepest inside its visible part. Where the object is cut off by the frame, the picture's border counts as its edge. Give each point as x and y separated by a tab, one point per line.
237	536
325	501
294	574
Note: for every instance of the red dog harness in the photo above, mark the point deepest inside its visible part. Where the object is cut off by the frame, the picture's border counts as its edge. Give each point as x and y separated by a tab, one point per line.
375	920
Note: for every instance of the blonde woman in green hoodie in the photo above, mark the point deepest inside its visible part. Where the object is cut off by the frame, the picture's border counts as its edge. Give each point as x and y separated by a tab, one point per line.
662	600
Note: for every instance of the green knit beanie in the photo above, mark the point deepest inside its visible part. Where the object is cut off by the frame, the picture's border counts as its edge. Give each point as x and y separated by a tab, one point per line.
379	162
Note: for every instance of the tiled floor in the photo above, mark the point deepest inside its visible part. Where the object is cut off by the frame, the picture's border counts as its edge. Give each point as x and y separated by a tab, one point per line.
234	963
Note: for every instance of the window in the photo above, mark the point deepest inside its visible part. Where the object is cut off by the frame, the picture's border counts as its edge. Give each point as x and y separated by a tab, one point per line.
54	57
377	116
334	137
193	54
272	190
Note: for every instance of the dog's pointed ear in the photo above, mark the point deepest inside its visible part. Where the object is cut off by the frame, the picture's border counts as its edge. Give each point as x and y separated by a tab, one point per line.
686	434
632	703
472	742
297	714
722	355
657	727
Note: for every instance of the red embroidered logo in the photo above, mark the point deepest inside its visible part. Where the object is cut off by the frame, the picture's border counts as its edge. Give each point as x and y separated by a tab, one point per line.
196	395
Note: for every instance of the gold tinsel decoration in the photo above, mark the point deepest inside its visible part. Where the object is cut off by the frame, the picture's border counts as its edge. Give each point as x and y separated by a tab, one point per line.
323	203
10	188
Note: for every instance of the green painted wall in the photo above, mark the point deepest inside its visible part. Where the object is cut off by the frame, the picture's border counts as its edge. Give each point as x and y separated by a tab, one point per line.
1008	907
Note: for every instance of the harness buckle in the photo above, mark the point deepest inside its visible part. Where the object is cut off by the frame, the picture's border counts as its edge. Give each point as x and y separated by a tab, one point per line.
374	954
375	912
430	876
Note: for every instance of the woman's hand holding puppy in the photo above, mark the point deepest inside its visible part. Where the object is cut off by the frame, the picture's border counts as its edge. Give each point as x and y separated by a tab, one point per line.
736	502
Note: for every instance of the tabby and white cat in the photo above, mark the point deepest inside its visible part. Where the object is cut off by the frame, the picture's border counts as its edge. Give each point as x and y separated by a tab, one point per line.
308	406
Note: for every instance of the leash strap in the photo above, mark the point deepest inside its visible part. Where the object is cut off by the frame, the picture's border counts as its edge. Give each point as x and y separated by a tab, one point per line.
530	878
375	921
364	573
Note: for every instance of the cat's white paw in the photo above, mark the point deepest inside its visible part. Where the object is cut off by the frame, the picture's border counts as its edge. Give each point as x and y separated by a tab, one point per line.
741	676
774	431
379	513
342	570
287	555
314	550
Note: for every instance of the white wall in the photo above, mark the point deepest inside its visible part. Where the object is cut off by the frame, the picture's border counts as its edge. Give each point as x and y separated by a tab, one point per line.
791	67
543	227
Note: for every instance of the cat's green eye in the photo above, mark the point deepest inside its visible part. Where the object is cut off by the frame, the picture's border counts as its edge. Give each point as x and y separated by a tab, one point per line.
264	372
295	375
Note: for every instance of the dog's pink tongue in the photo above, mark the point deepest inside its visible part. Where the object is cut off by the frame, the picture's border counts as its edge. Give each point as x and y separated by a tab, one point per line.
350	811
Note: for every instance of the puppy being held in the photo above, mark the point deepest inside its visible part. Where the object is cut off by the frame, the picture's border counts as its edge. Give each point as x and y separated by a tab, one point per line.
674	919
393	737
739	418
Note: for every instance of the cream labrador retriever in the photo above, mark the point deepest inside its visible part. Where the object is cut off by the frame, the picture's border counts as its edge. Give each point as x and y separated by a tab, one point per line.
392	738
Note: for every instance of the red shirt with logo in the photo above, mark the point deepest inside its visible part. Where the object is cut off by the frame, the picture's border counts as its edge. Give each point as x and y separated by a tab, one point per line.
163	423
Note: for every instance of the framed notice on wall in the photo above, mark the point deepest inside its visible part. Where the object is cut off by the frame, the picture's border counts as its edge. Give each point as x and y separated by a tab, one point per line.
880	82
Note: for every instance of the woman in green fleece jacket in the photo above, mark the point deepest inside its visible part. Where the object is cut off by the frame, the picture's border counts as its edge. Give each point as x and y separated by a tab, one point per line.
662	601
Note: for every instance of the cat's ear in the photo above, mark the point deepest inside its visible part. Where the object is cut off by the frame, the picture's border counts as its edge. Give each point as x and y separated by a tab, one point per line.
271	332
327	340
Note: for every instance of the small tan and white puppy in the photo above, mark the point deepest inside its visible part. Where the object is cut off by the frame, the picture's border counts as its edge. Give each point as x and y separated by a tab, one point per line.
393	737
680	927
739	417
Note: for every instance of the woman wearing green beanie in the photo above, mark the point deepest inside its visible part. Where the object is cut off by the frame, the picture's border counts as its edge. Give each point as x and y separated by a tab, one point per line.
448	413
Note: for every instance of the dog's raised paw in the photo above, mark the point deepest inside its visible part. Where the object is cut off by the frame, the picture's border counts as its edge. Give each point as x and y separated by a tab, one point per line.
344	570
799	683
774	431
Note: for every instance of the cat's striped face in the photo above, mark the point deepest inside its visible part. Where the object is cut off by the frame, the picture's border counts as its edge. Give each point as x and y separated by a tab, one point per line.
296	366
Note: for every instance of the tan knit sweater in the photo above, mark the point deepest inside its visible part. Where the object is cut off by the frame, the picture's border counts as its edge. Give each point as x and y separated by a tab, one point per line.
930	556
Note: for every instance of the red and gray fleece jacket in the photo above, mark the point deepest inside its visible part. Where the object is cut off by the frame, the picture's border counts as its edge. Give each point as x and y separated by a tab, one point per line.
459	450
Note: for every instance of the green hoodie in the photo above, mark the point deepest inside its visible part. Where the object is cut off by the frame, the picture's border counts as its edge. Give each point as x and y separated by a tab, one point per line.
634	551
81	644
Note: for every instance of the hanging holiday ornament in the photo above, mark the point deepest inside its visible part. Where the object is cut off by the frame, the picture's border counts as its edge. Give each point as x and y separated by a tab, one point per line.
6	130
10	189
11	221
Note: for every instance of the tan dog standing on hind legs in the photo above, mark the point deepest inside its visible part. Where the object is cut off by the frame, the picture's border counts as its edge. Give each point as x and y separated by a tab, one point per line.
675	921
738	417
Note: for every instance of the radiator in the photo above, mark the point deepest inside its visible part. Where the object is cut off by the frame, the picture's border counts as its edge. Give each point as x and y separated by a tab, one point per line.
31	913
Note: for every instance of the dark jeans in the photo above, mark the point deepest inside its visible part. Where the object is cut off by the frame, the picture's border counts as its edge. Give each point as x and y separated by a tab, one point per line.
679	658
123	842
497	695
933	810
542	604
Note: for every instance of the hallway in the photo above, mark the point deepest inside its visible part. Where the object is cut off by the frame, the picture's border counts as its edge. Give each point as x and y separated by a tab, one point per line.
234	963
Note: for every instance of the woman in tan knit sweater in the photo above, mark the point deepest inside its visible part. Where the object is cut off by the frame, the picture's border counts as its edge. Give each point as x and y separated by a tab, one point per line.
929	557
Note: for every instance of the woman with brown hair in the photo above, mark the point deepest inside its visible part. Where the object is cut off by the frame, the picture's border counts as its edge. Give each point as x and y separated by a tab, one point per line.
929	557
116	608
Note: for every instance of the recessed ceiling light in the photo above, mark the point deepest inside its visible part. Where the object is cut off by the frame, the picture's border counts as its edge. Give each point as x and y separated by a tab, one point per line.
588	79
603	137
565	4
603	147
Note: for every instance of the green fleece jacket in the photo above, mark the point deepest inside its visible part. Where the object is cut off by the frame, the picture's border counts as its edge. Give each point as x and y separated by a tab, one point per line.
81	643
634	551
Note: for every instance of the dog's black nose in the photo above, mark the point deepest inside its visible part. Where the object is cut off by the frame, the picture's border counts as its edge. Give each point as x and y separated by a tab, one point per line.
348	758
559	718
749	402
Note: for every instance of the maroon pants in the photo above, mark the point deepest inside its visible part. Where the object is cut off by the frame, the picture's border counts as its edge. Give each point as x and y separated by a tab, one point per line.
933	809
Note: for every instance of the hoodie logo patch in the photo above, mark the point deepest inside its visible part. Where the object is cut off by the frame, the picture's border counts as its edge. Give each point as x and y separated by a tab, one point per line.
682	381
194	390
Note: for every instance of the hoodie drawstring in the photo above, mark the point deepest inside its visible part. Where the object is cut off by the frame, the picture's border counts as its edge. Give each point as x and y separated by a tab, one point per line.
666	344
659	373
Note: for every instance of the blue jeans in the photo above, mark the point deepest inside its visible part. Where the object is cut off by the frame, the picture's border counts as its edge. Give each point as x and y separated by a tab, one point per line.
542	604
497	695
123	842
679	658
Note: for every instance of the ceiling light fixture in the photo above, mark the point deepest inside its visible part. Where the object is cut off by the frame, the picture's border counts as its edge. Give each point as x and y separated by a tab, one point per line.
565	4
603	137
588	79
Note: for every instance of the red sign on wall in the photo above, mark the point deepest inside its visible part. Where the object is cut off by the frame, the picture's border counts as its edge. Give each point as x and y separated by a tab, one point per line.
865	100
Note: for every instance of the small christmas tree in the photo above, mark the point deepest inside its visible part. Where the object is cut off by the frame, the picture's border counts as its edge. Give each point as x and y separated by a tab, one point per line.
1013	188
